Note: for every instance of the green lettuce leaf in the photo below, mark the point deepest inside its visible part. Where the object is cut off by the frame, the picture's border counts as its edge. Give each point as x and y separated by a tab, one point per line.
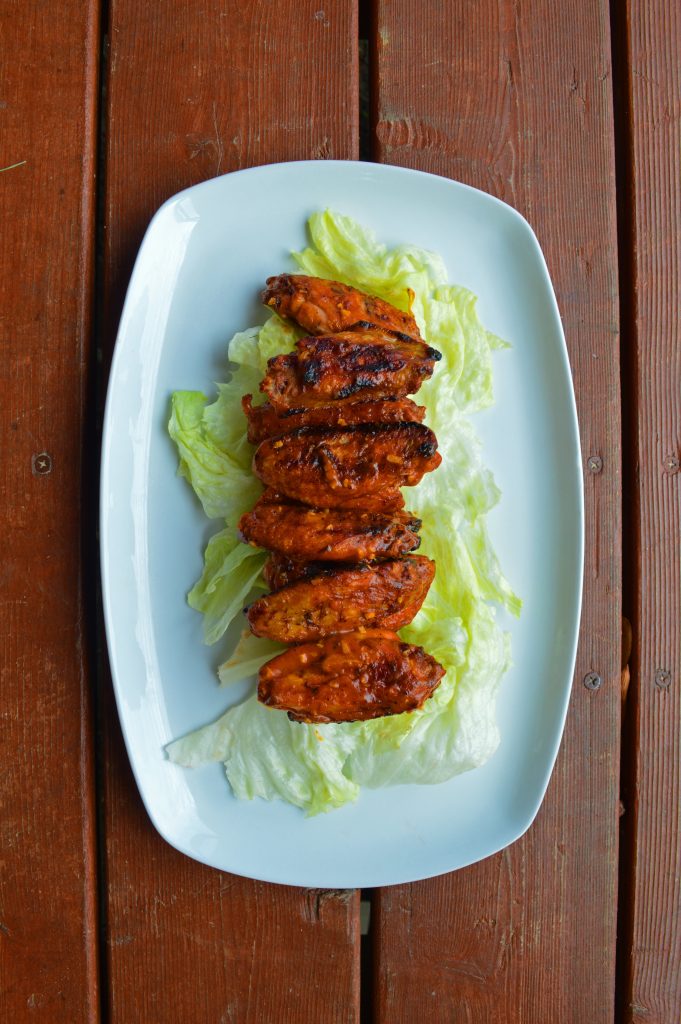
219	474
231	571
267	755
249	655
215	457
252	348
319	768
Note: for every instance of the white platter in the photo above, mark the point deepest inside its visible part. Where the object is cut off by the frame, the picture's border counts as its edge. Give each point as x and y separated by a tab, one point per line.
201	266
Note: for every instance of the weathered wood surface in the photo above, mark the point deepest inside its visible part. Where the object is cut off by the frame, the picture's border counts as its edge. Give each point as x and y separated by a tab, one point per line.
48	943
517	100
513	98
651	950
194	91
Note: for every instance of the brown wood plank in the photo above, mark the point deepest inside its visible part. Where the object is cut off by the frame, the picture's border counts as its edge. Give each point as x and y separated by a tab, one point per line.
653	840
516	99
48	943
197	90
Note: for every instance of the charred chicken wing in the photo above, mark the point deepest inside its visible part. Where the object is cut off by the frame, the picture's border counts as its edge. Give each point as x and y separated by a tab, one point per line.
329	535
349	678
325	307
388	595
328	468
264	421
367	366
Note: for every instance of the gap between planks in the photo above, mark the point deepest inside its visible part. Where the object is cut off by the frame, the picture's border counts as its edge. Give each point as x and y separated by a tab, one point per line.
630	518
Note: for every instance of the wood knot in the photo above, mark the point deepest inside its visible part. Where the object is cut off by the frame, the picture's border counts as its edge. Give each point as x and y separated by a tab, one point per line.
395	133
323	151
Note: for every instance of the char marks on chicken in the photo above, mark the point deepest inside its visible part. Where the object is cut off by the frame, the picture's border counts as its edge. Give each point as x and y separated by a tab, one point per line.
369	366
264	421
278	571
327	467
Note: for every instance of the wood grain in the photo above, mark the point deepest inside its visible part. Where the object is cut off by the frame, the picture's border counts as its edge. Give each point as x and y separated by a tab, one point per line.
48	943
516	99
653	932
194	91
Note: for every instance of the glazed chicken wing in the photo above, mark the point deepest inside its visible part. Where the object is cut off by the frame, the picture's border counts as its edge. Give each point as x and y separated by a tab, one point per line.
349	678
367	366
329	535
330	467
387	594
263	420
325	307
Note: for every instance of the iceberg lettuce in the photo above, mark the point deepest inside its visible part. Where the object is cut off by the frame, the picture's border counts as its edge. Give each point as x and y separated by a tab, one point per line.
317	767
231	571
217	470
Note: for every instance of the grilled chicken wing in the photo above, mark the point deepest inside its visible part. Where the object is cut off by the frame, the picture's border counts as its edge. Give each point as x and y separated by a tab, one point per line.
388	595
366	366
263	420
330	467
329	535
349	678
325	307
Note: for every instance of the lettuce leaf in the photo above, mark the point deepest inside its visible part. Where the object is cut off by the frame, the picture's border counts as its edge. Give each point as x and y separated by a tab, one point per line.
252	349
215	457
267	755
231	571
217	469
249	655
319	768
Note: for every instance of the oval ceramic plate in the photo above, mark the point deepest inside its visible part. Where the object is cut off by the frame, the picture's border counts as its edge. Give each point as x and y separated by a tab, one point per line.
201	266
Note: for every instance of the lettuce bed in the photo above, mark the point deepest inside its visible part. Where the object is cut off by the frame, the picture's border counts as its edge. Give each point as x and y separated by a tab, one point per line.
319	767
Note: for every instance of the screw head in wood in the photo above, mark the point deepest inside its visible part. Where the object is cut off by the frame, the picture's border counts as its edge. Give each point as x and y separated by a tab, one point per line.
663	678
592	681
671	464
595	463
41	464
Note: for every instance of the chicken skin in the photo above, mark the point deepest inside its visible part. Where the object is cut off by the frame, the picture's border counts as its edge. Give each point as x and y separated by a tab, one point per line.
328	468
329	535
264	422
366	366
388	594
350	677
326	307
279	571
385	502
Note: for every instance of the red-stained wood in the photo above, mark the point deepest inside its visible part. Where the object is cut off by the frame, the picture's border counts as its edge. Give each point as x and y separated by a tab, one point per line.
194	91
516	99
651	950
48	942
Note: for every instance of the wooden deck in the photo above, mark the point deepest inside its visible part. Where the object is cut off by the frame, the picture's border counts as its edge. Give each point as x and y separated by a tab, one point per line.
570	112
